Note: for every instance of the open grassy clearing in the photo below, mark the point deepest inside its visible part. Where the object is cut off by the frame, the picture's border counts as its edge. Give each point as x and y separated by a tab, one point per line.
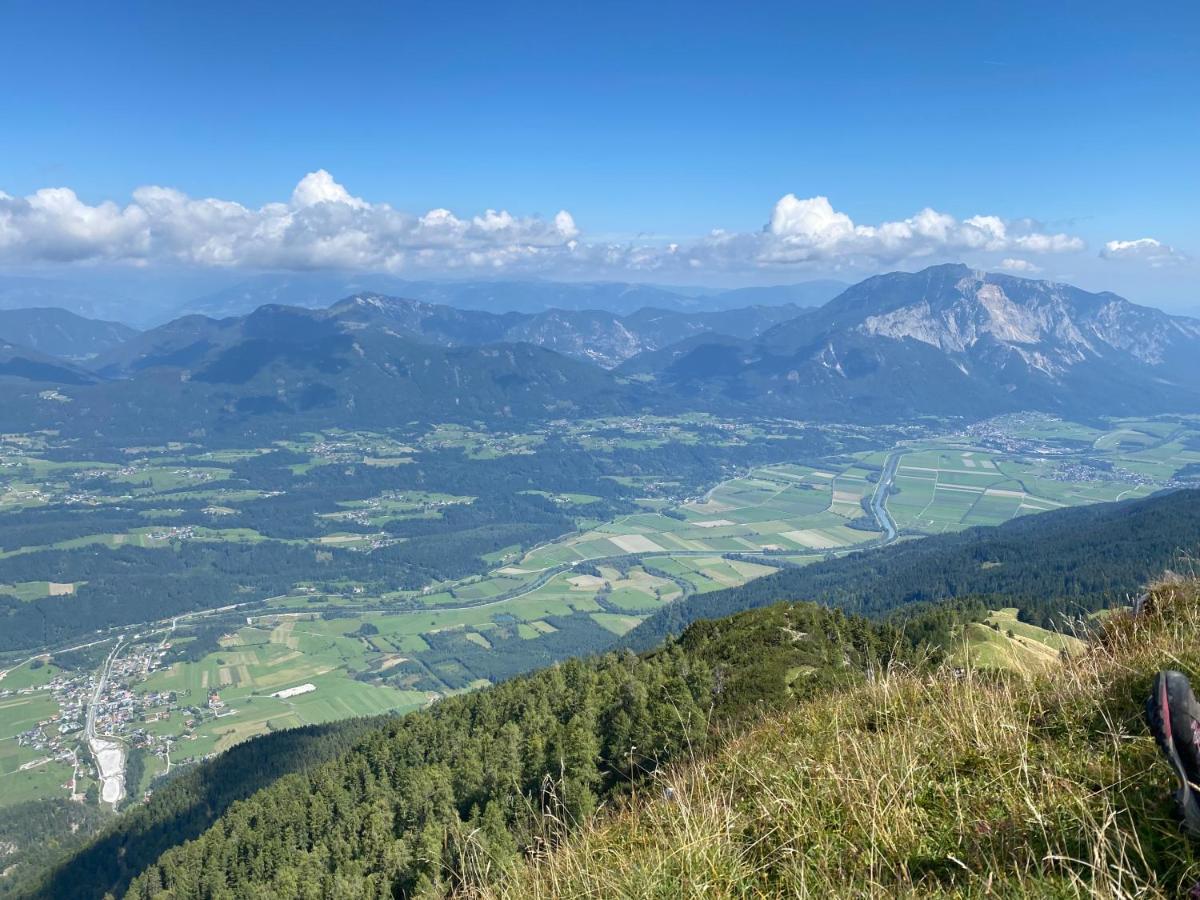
29	774
617	624
154	537
1004	642
33	590
20	712
24	675
395	505
566	499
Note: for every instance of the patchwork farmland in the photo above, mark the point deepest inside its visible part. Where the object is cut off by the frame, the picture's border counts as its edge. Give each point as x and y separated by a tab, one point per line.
801	509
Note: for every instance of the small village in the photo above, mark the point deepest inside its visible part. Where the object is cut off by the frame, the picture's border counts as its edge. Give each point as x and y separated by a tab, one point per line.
120	713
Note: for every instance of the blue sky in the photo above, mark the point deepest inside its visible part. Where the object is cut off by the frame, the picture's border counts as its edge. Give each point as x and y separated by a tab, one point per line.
651	124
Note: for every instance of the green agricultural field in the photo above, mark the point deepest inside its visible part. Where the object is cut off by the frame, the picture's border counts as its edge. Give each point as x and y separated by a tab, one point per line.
158	478
774	508
29	774
709	573
566	499
21	712
617	624
1124	438
256	663
25	675
35	590
944	488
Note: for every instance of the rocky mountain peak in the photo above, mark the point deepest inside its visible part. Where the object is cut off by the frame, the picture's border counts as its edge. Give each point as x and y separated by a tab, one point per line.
1051	326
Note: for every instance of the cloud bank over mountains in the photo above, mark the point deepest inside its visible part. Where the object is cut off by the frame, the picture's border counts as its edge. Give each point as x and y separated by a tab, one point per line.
324	226
1148	250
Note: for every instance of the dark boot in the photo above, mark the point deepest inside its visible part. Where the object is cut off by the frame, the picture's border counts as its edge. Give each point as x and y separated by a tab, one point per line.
1174	719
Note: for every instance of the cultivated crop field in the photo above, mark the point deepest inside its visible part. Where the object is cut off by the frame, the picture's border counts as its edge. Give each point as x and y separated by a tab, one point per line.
239	682
1042	464
775	508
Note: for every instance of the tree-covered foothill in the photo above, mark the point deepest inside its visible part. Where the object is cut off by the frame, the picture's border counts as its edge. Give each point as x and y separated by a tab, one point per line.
35	834
182	807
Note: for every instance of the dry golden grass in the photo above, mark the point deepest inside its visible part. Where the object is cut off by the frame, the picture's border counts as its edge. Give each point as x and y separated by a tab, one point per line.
975	786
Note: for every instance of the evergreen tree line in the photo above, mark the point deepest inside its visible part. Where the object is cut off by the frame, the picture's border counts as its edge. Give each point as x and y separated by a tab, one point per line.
183	805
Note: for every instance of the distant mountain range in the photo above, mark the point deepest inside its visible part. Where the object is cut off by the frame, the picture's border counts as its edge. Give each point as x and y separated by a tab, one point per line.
58	332
161	299
944	341
601	337
314	291
947	340
283	367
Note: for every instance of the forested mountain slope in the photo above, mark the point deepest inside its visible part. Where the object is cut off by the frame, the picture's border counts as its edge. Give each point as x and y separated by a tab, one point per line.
281	370
21	366
181	808
60	333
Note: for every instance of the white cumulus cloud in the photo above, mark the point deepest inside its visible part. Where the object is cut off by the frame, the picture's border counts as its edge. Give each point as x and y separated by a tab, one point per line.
1147	250
319	187
324	225
1011	264
805	230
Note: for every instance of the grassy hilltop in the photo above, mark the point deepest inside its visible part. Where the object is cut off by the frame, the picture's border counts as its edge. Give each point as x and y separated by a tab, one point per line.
950	785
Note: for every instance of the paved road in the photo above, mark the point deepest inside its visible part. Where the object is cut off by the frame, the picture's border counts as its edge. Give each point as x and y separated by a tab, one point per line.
101	683
109	754
879	499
